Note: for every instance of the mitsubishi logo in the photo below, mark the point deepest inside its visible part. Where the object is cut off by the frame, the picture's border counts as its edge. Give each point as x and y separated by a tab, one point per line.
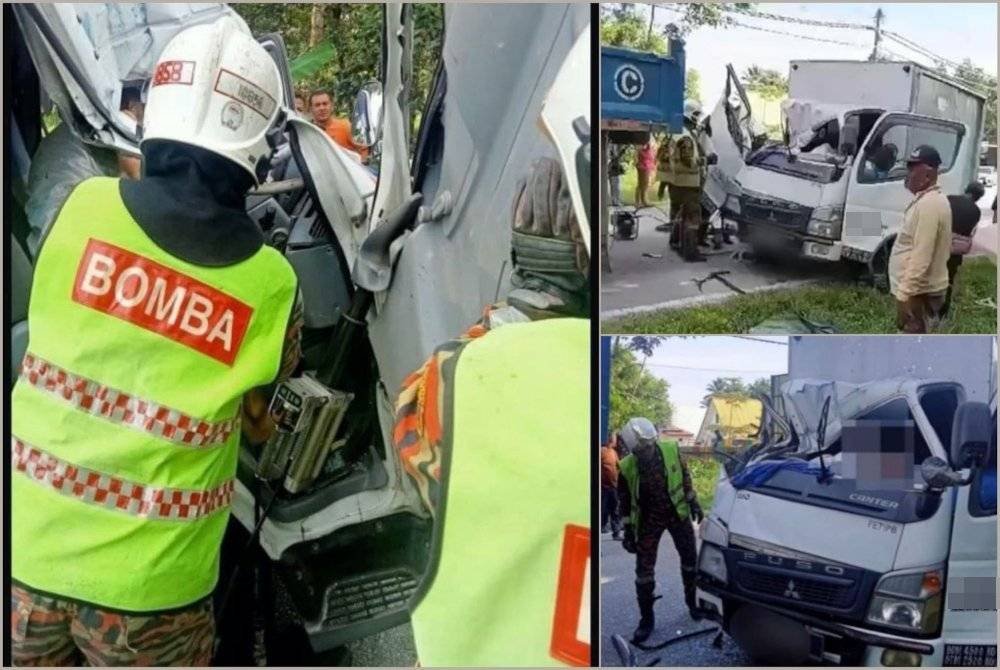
790	591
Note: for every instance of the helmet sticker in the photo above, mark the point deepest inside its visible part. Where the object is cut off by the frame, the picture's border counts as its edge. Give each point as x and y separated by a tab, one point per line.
232	115
174	72
243	90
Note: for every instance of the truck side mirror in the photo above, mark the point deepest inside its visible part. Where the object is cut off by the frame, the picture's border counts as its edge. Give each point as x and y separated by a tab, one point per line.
971	435
366	115
938	474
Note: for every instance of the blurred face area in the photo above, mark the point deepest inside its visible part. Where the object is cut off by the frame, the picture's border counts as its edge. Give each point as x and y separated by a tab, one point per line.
919	177
300	104
321	107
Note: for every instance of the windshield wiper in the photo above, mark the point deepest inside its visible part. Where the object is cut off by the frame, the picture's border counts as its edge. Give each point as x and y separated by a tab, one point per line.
820	438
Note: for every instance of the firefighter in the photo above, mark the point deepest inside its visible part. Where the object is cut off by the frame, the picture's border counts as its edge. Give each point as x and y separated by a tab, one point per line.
493	432
160	310
655	495
689	156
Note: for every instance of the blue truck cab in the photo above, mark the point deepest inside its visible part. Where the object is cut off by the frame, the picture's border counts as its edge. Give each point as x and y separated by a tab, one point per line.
642	91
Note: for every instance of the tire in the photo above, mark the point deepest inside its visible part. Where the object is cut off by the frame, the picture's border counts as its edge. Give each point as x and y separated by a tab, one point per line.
878	267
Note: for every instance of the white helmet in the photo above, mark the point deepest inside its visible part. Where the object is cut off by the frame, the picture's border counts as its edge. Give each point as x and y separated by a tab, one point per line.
216	88
692	109
638	432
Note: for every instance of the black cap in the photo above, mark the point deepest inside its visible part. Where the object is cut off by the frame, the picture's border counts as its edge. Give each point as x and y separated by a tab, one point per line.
925	154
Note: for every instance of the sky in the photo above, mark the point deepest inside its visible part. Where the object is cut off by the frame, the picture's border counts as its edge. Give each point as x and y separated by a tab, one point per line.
952	30
712	356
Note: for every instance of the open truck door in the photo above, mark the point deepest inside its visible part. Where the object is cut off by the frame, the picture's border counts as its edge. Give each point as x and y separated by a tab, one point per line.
969	628
876	196
732	135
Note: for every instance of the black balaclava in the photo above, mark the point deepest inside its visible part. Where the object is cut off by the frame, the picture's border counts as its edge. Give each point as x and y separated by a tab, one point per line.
191	203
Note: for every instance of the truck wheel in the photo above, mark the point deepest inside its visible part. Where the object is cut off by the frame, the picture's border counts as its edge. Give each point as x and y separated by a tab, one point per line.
878	267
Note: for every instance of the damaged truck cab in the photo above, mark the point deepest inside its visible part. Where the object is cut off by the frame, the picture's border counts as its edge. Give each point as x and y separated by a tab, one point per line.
865	535
833	190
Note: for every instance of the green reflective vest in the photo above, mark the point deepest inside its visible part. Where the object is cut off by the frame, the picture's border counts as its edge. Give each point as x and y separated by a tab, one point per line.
629	469
510	576
125	419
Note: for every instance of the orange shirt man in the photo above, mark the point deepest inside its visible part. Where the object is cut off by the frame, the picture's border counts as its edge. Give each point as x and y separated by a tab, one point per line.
338	128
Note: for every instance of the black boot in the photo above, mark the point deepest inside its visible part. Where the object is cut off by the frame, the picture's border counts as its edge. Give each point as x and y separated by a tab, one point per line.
644	594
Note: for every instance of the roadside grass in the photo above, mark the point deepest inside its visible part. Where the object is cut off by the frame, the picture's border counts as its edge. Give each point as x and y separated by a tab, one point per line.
852	309
704	474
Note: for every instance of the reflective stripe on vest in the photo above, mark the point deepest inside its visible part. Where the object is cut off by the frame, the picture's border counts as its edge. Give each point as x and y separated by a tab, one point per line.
95	398
115	493
125	415
674	476
512	583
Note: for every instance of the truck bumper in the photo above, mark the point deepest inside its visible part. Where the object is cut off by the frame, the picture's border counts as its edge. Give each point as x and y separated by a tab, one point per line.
829	641
787	240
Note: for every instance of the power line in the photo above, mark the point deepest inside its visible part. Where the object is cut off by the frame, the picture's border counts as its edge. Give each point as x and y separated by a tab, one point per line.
682	367
759	339
905	41
734	22
800	21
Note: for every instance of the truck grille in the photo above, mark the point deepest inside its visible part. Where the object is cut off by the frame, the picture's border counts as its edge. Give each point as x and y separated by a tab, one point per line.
774	212
369	596
794	589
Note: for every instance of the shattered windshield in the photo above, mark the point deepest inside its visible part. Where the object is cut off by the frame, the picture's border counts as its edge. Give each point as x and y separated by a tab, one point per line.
862	453
777	158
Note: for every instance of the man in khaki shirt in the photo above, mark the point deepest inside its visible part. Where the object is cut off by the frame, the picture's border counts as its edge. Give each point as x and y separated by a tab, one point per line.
918	266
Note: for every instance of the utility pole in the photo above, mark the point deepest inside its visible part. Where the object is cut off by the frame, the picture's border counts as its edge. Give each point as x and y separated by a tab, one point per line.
878	34
652	15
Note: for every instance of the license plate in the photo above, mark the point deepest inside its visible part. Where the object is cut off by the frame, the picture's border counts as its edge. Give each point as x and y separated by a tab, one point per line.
970	655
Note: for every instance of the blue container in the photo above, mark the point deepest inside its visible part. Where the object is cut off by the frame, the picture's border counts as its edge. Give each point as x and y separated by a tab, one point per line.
641	90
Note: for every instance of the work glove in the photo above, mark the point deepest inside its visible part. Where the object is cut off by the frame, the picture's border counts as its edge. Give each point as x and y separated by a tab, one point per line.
712	159
696	514
628	542
550	260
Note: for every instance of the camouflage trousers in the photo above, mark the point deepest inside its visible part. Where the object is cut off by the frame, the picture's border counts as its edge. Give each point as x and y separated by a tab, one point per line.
647	544
48	631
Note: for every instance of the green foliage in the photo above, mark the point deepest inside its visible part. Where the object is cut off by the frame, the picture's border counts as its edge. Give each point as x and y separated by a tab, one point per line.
692	85
761	386
635	391
851	308
349	50
724	386
984	83
769	84
704	476
635	26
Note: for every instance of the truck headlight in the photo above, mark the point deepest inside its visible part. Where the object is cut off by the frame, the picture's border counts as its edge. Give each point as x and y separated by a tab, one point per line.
826	222
714	531
908	600
712	562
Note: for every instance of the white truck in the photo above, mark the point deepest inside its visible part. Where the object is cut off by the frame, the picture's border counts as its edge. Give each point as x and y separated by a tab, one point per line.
862	529
834	189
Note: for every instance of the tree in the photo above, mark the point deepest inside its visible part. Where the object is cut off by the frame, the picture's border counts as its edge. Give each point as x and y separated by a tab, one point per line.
337	46
761	386
724	387
637	392
629	25
986	84
769	84
692	85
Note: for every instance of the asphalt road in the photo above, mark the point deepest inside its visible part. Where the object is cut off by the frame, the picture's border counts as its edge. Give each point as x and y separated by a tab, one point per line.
619	613
640	282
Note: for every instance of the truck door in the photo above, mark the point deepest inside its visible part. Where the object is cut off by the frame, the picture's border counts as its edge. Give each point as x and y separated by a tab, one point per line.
969	630
876	197
732	135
